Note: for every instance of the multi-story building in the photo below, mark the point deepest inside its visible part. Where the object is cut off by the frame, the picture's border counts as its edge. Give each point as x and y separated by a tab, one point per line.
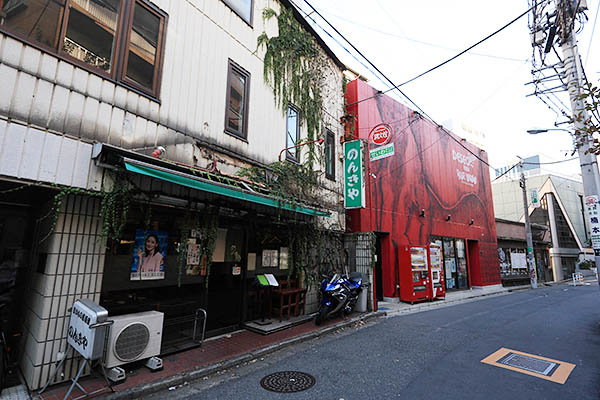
561	209
123	124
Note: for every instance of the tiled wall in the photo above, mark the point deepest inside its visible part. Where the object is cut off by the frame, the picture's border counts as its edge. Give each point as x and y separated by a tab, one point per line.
73	263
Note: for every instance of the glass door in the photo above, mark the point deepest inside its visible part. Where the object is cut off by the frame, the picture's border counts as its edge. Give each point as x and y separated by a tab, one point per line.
461	263
449	263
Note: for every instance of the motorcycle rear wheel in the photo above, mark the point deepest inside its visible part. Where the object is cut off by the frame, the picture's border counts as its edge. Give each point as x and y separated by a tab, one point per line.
322	314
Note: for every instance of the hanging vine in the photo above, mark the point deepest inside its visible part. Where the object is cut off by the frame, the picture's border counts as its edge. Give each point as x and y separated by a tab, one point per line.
207	226
289	182
315	252
294	66
114	207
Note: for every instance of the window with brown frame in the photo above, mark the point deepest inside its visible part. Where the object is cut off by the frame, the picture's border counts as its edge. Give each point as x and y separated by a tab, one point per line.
118	39
236	111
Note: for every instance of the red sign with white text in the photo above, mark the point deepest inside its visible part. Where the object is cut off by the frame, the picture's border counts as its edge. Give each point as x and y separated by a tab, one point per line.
381	134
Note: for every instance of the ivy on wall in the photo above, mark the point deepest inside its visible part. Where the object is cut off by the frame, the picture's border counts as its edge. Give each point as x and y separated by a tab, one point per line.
294	66
114	206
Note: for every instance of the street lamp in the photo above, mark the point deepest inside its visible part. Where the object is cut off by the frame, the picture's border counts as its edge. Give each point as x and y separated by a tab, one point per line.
536	131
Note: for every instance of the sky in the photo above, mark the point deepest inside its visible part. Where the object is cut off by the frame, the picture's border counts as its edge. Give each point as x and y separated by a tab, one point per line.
485	89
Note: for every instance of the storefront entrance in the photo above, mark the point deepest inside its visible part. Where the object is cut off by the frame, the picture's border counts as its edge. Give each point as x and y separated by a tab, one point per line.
456	271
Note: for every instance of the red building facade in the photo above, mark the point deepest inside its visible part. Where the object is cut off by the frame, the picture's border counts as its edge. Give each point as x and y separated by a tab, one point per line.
435	188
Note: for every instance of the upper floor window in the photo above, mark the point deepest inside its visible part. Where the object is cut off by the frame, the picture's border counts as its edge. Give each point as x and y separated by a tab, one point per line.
330	155
236	112
243	8
121	39
293	134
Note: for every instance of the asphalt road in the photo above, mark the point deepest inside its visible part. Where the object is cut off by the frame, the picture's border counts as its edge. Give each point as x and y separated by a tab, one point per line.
437	354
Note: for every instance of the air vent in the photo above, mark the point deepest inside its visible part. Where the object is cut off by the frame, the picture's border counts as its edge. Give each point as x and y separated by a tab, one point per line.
131	342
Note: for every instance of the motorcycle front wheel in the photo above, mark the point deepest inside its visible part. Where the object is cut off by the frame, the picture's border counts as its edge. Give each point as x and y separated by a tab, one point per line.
322	314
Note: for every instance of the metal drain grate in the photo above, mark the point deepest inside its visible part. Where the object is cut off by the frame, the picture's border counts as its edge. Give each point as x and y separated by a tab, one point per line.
288	382
532	364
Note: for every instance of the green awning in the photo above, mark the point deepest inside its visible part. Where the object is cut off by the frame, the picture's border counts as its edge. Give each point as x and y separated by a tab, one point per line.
216	188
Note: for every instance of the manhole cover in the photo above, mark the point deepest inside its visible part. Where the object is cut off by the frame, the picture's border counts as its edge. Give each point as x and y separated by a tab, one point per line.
288	382
529	363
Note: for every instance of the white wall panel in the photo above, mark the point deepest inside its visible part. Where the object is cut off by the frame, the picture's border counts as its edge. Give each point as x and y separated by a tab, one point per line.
116	126
75	114
103	123
8	80
23	96
50	160
64	74
32	154
11	52
31	60
121	97
48	67
89	117
82	165
58	108
94	86
66	162
12	149
40	107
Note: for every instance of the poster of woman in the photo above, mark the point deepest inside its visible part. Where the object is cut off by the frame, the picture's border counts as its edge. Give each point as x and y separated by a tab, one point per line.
149	255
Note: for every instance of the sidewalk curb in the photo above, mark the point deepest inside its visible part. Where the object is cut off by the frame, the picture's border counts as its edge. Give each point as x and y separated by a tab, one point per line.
180	379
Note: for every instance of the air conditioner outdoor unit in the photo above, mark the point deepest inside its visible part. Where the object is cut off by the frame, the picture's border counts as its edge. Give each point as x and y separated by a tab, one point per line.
134	337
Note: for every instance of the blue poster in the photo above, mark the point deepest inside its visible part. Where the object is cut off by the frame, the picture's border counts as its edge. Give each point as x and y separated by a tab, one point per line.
149	255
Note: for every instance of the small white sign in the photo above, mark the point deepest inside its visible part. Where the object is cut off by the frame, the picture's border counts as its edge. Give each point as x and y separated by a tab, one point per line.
381	152
80	336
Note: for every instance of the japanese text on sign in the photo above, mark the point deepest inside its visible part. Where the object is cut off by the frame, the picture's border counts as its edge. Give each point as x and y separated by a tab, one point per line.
353	175
593	210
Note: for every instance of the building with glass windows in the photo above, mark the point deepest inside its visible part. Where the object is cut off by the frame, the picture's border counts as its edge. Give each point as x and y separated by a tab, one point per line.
427	197
123	125
561	209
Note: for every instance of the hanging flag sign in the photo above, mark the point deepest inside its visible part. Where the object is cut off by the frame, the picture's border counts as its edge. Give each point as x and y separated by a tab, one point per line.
535	200
381	134
593	210
354	183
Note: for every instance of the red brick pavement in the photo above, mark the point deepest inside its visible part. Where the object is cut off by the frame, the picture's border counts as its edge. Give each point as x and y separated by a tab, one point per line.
211	352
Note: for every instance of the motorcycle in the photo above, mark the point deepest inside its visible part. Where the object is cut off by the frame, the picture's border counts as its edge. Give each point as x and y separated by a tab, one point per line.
338	294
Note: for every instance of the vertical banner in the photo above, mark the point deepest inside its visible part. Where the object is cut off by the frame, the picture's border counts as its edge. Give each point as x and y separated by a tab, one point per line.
354	183
535	200
593	211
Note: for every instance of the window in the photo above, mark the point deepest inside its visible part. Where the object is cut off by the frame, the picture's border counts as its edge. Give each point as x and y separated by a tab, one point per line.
293	134
121	39
330	155
236	112
243	8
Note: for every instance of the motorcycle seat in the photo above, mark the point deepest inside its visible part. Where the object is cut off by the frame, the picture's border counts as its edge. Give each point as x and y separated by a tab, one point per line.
355	277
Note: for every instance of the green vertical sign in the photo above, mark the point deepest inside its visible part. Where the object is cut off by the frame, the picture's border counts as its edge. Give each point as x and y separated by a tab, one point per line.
354	184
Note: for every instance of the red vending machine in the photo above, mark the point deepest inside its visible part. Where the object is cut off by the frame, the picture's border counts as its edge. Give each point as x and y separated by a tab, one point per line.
414	277
438	287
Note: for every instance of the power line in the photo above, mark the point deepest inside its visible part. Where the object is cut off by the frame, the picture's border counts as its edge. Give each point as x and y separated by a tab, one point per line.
396	87
448	60
592	37
404	37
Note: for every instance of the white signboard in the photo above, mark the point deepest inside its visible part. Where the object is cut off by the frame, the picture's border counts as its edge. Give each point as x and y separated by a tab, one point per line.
80	336
518	260
381	152
592	207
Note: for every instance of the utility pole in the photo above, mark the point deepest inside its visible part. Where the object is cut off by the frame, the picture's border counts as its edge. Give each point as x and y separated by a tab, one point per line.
573	72
530	259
